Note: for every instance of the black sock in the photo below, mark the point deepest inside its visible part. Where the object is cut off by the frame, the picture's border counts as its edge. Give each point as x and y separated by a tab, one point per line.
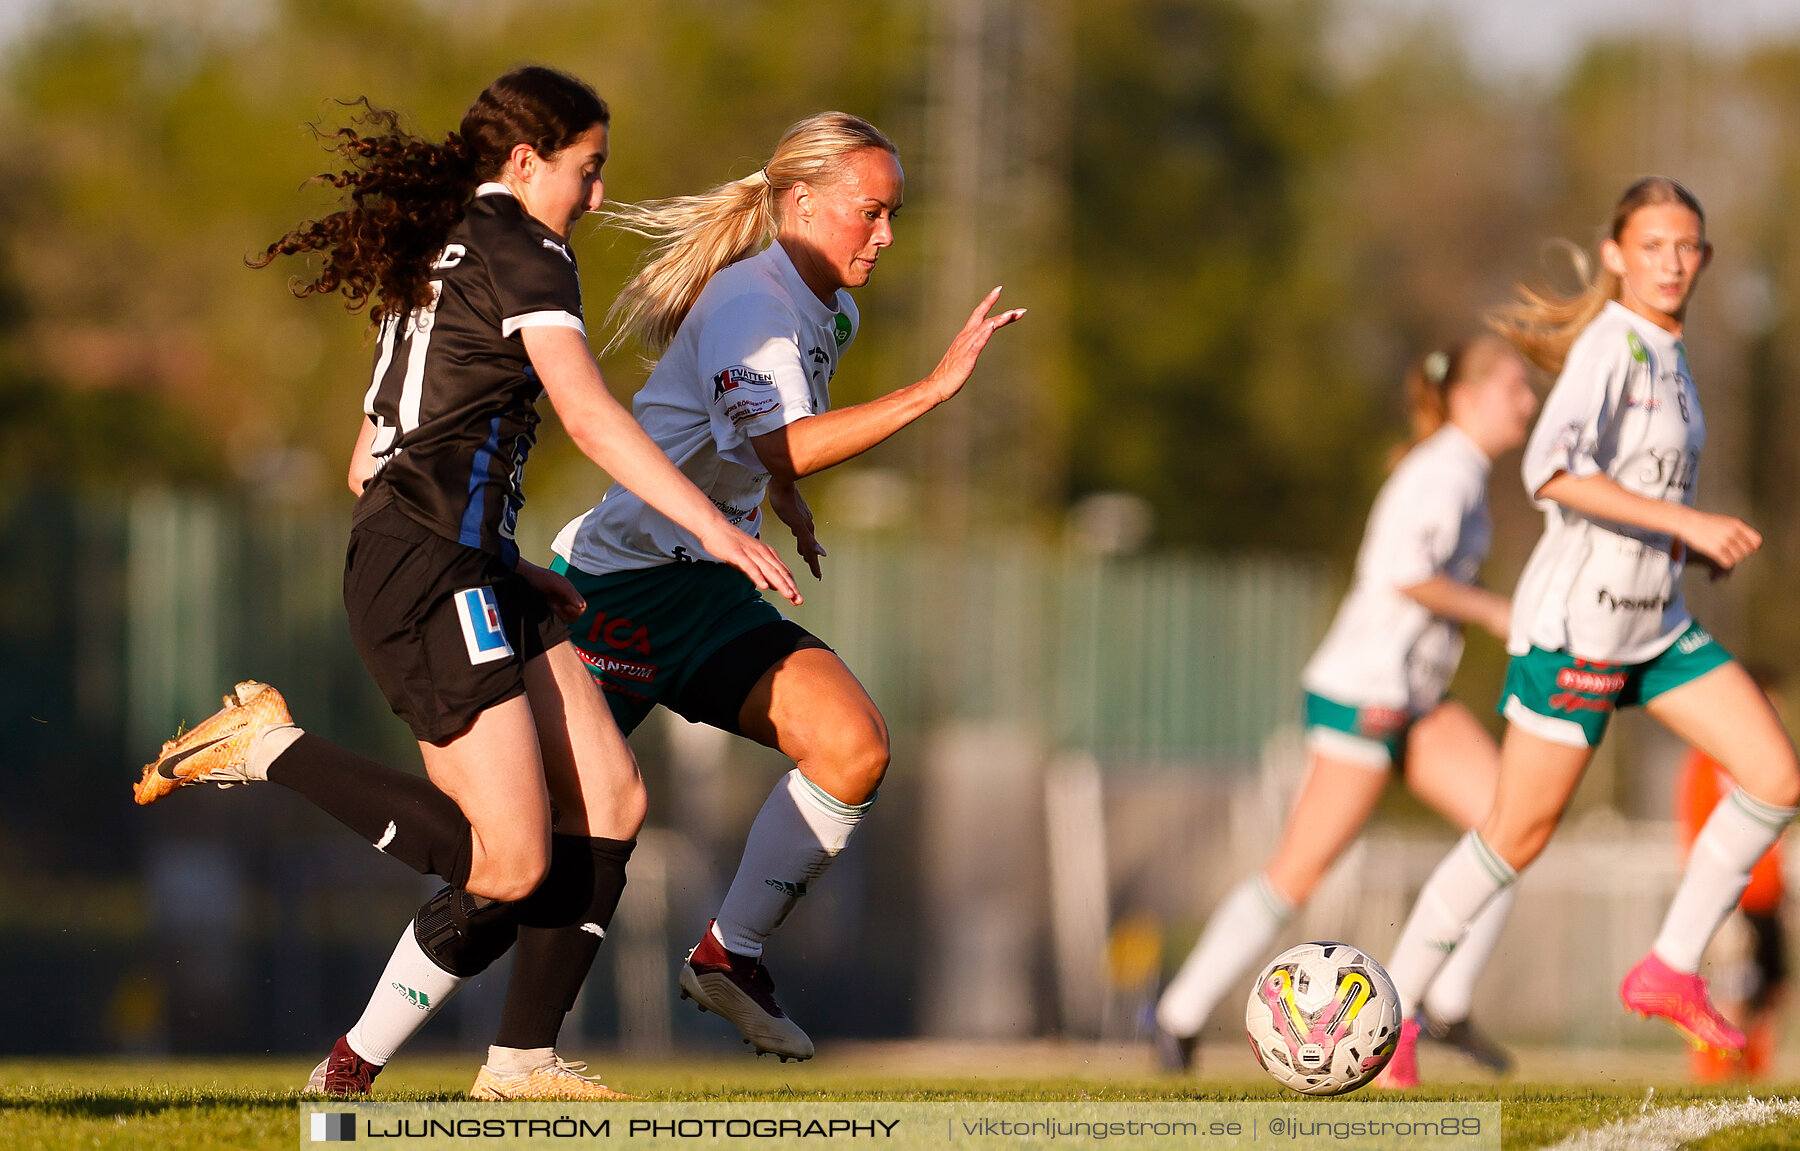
400	813
560	928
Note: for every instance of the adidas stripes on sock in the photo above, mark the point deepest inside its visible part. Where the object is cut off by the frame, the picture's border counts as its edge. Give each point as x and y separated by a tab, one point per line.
1241	929
1470	876
797	834
1740	829
411	990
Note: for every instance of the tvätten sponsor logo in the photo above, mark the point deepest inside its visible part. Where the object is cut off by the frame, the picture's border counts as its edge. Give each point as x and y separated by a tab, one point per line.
739	376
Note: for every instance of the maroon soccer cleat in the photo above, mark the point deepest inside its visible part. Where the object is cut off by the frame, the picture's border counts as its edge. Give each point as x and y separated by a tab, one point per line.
343	1072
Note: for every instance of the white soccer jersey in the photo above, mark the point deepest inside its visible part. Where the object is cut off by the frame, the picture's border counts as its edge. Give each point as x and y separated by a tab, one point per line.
756	353
1624	406
1386	649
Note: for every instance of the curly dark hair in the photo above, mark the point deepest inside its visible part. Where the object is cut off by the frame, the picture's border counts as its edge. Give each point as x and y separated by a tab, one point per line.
406	193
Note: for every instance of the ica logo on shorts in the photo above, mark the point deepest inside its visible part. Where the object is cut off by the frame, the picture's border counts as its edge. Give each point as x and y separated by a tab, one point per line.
479	612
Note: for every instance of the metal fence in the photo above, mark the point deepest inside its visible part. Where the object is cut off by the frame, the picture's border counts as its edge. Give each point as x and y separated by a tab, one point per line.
126	617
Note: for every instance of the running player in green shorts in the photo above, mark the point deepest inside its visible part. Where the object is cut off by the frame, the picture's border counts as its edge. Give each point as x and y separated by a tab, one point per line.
1376	689
1598	619
744	297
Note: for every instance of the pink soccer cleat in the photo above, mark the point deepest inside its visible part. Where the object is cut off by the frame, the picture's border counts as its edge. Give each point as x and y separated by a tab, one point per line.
1402	1070
1655	988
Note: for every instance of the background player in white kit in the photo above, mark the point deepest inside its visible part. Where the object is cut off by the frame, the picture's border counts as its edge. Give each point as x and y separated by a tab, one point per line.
1599	621
750	333
1375	689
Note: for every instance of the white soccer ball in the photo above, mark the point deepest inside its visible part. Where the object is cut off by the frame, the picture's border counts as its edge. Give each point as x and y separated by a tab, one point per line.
1323	1018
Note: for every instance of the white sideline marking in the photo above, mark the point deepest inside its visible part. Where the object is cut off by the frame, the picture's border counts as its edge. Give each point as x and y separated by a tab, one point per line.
387	837
1667	1128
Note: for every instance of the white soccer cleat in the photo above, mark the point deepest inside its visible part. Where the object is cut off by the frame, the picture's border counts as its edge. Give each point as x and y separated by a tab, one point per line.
739	988
217	751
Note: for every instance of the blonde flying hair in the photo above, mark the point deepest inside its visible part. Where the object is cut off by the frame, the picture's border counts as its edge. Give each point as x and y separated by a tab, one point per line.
1543	324
693	237
1431	378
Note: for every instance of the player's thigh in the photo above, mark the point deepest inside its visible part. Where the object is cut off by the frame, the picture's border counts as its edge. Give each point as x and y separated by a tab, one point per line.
1725	715
493	771
588	766
1334	803
1537	779
811	707
1452	764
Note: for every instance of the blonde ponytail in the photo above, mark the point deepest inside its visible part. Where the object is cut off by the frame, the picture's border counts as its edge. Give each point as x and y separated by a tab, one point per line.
693	237
1543	325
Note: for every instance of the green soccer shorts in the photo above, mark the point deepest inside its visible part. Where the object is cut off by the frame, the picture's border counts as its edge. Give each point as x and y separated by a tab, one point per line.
1565	699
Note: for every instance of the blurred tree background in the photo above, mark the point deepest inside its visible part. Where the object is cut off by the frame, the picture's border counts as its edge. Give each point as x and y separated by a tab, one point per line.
1246	236
1233	231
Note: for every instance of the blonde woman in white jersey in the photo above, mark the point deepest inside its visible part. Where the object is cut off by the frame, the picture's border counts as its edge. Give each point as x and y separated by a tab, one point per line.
1375	689
744	298
1598	620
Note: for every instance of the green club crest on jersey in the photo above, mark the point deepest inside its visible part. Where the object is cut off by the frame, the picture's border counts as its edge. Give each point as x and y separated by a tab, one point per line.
1638	352
840	327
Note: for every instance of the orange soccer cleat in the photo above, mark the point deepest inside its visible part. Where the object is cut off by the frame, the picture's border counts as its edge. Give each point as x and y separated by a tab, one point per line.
217	751
561	1079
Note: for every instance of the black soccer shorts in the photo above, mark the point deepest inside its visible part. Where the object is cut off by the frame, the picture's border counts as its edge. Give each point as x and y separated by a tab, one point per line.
446	630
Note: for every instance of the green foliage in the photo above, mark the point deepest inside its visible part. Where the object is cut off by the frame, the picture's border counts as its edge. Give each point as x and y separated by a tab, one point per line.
1260	234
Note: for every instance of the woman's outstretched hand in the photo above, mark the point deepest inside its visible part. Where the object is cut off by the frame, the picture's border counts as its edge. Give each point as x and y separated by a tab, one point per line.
960	358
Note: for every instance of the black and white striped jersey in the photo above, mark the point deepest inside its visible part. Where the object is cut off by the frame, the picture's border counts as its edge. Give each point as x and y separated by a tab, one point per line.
454	397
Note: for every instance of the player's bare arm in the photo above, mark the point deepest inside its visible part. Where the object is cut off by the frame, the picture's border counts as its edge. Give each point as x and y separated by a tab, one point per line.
606	434
818	442
1723	541
1448	598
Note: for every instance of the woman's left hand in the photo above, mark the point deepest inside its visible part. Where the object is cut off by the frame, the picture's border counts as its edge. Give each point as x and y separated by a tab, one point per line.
787	503
565	601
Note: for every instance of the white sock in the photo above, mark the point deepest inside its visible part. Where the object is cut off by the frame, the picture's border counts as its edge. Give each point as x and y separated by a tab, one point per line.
797	834
269	743
1241	929
1740	829
511	1061
1462	885
411	990
1454	989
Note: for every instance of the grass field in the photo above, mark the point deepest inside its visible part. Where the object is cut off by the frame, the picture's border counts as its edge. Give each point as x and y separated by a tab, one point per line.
250	1103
